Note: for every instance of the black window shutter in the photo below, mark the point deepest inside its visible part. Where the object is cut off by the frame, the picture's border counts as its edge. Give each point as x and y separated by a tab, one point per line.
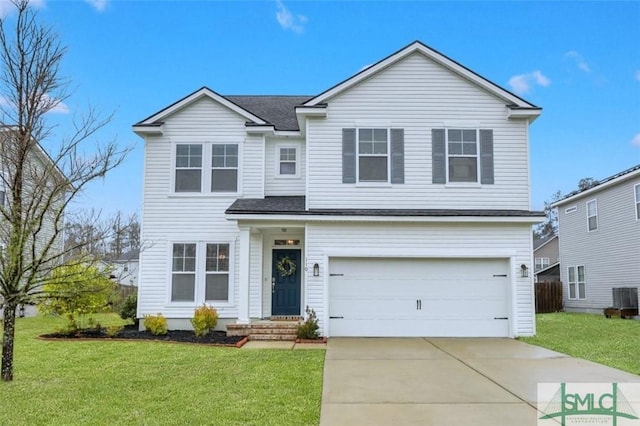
348	155
486	156
397	155
438	156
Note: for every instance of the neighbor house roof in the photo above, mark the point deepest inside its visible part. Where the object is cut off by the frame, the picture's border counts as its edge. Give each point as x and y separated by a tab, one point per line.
295	205
538	244
600	185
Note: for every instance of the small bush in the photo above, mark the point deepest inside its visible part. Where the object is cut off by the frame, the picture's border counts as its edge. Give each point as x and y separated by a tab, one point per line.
113	330
129	308
309	329
204	319
155	324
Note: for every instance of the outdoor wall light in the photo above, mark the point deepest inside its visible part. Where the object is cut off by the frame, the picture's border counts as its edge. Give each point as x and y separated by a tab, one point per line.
524	271
316	270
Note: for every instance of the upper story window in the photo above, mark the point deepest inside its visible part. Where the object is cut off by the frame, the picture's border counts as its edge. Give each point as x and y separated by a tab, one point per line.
192	159
188	168
287	161
373	155
541	263
592	215
462	155
637	190
224	168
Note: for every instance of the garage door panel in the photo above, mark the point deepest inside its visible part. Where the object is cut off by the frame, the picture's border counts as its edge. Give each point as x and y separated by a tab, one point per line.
418	297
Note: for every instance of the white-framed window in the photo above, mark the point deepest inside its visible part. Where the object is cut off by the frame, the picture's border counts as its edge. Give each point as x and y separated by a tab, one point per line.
217	272
462	155
222	161
183	272
200	272
637	193
541	263
188	173
373	155
577	282
592	215
287	161
224	168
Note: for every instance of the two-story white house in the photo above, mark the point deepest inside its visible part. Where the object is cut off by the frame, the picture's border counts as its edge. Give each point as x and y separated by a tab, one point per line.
395	203
599	229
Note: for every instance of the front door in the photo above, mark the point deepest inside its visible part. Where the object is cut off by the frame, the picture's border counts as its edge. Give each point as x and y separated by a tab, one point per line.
285	282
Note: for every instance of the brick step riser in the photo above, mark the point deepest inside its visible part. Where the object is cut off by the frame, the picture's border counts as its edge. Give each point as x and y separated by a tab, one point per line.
290	337
273	331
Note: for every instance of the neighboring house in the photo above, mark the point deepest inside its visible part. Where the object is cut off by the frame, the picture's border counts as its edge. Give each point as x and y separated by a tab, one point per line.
599	231
124	270
395	203
546	259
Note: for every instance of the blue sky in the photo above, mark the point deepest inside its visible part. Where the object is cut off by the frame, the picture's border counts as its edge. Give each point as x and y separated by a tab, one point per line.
579	61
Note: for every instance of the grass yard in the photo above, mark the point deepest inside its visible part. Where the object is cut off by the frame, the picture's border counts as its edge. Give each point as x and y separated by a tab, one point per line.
153	383
614	342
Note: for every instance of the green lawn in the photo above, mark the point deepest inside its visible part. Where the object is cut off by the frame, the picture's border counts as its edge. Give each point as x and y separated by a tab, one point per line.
614	342
102	382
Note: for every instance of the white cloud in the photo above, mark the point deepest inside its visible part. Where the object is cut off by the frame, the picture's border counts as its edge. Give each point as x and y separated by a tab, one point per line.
7	7
523	83
578	59
99	5
59	107
636	140
289	21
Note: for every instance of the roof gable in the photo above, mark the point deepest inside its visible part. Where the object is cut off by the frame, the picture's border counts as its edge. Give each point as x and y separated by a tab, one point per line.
515	102
203	92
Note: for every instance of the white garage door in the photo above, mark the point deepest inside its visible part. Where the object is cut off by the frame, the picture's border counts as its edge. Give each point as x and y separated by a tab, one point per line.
419	297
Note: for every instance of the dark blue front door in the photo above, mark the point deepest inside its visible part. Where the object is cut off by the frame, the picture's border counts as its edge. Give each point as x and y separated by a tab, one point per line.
285	289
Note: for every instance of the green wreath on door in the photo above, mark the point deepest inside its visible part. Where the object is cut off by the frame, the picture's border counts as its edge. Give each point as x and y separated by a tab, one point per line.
286	267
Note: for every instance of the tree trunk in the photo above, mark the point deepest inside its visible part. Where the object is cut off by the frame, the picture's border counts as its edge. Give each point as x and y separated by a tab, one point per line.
7	341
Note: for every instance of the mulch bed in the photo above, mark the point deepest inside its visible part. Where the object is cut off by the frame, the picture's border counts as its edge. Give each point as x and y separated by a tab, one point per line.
130	332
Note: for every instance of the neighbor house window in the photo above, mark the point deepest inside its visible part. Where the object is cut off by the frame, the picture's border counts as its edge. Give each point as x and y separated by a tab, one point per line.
577	283
287	163
217	272
637	190
541	263
592	215
183	277
224	168
462	155
188	168
373	155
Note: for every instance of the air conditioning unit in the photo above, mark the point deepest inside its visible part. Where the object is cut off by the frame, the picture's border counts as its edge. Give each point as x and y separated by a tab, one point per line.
625	298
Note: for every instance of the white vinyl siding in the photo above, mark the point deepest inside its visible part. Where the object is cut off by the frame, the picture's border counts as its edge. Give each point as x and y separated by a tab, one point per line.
592	215
191	217
432	240
417	95
610	255
284	185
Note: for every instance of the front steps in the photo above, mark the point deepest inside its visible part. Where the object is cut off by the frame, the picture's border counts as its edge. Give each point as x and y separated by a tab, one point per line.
266	330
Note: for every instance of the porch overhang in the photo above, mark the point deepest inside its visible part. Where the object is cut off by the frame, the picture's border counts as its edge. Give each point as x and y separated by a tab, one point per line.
292	209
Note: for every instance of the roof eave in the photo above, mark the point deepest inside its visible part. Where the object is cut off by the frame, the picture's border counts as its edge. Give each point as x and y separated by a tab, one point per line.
597	188
149	129
304	111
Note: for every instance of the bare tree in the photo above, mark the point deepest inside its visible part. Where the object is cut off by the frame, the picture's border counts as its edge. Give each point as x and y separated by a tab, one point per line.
549	227
38	185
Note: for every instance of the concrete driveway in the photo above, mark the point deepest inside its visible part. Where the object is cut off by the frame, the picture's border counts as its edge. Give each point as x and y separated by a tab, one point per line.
425	381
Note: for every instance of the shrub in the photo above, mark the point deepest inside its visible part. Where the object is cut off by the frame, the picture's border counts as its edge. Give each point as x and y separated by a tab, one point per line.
129	308
113	330
309	328
77	291
155	324
204	319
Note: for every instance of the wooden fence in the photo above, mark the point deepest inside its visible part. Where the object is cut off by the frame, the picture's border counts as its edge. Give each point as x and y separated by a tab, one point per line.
548	297
126	290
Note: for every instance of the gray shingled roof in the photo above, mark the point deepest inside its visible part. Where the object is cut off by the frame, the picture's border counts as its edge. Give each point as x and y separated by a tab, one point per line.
296	206
600	182
277	110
